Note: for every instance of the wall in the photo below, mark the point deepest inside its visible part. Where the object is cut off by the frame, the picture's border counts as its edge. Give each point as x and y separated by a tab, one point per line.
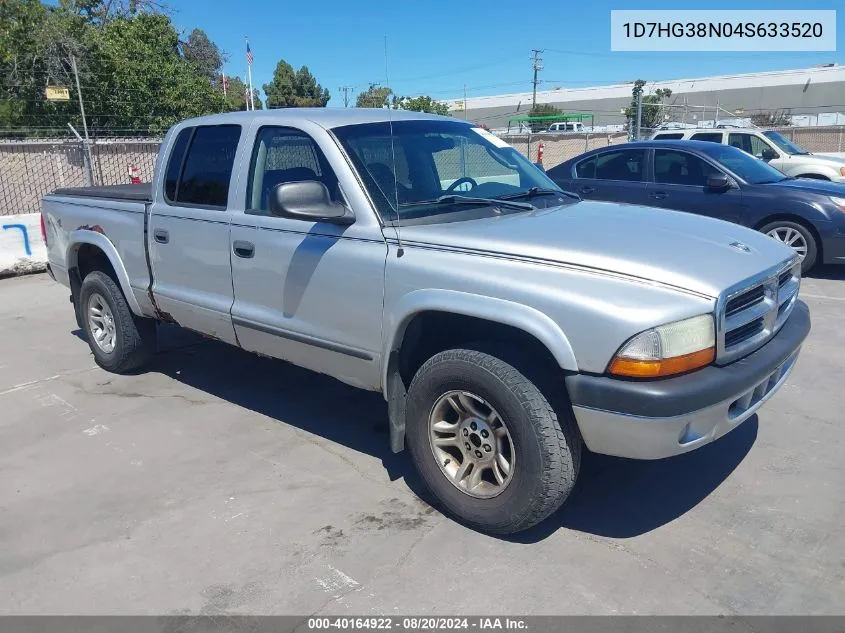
22	249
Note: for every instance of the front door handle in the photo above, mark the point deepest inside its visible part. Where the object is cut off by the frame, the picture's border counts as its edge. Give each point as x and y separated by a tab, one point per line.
586	190
658	195
243	249
161	236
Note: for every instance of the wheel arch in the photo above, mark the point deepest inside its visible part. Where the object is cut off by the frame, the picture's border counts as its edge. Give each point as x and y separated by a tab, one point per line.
797	219
425	322
90	250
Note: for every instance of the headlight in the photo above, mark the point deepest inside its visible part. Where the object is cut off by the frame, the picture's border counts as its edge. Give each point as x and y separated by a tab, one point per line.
839	202
667	350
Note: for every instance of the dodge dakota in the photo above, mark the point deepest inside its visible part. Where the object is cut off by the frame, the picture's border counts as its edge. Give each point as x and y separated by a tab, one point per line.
507	324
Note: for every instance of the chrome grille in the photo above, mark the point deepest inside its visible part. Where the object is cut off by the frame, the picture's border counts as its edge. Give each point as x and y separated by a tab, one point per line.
748	315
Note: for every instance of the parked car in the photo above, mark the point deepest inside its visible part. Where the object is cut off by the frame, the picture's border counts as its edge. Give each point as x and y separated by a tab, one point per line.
770	146
718	181
504	326
568	126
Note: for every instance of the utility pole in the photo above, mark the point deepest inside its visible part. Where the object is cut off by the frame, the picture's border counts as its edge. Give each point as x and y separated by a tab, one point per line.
639	115
465	102
346	90
536	64
86	151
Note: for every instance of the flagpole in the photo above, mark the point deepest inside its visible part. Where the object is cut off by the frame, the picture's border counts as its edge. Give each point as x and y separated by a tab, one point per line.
251	104
224	82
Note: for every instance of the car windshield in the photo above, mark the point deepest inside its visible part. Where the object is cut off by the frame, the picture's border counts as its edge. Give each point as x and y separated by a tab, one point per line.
751	170
784	143
427	168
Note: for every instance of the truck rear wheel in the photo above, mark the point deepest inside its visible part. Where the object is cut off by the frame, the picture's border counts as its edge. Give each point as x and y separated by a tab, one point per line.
119	340
487	443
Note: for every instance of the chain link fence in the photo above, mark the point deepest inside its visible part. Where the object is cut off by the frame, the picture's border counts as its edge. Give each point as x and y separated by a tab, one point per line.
30	169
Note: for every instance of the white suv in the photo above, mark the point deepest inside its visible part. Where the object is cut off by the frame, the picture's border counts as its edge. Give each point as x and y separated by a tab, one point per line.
770	146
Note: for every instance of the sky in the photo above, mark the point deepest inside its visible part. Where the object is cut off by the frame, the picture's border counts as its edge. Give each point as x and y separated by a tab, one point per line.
438	47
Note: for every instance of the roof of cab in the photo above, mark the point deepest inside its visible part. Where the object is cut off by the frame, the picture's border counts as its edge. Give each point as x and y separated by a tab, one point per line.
324	117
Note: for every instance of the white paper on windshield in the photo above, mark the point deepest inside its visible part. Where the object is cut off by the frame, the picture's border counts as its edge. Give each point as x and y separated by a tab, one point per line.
490	137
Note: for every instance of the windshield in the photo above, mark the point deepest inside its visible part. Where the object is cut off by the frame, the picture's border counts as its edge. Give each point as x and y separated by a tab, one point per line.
784	143
429	159
751	170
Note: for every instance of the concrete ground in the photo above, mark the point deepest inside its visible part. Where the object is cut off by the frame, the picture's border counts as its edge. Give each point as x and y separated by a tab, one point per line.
219	482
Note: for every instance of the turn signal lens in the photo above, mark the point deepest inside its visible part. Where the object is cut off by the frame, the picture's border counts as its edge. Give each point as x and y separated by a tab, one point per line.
667	350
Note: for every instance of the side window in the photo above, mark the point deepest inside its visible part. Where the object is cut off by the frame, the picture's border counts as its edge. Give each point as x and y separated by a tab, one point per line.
619	165
177	159
749	143
285	155
671	136
207	168
713	137
679	168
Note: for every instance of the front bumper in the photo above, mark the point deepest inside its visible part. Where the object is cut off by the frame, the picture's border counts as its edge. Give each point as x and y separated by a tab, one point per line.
661	418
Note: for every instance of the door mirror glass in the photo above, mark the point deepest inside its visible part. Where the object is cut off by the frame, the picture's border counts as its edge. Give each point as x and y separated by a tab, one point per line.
308	200
718	182
769	154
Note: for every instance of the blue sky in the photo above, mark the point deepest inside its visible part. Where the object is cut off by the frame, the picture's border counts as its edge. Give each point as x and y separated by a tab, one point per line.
438	46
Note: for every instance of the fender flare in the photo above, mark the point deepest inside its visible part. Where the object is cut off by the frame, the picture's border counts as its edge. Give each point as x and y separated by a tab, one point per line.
520	316
88	236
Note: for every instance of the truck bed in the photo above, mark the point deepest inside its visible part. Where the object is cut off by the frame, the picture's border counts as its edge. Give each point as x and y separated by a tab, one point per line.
136	193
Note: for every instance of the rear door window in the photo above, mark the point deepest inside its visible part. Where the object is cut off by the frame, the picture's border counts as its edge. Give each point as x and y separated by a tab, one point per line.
626	165
713	137
206	170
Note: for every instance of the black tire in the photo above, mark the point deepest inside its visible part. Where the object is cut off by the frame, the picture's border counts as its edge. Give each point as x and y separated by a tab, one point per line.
135	337
812	246
547	446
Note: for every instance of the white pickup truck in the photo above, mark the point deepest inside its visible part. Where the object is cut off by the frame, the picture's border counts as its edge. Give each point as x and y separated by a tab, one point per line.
506	322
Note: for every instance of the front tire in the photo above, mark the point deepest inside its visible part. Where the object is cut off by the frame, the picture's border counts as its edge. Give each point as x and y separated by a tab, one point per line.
487	443
798	237
119	340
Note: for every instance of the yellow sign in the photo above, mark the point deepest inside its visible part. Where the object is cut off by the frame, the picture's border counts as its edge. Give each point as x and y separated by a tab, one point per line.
54	93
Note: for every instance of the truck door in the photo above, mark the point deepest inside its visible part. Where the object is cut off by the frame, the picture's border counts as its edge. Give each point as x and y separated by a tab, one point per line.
188	232
307	292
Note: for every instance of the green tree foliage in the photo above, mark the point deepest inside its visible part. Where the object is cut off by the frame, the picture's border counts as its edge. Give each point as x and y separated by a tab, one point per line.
291	88
375	96
235	97
542	109
652	109
134	78
203	53
421	104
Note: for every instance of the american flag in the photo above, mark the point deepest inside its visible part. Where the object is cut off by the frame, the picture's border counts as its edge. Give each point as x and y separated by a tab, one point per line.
248	55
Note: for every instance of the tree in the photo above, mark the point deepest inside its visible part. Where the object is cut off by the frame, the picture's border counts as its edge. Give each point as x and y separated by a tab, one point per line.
375	96
421	104
203	53
652	105
294	89
542	109
777	118
236	92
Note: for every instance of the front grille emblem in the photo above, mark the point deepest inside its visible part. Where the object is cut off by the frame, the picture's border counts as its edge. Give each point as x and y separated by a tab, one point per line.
742	248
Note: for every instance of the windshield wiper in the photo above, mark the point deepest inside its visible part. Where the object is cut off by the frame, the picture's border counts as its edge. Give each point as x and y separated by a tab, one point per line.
456	199
537	191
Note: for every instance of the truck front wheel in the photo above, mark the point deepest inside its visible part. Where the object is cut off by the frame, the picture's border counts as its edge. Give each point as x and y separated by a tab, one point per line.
119	340
487	443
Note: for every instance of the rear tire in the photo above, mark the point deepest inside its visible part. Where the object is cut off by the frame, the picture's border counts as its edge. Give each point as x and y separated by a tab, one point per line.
801	238
541	449
119	340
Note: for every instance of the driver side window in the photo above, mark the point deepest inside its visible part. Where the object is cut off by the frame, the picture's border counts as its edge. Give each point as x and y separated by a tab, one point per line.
285	155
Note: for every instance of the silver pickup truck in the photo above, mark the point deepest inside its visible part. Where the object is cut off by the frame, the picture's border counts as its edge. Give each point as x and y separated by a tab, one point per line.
506	322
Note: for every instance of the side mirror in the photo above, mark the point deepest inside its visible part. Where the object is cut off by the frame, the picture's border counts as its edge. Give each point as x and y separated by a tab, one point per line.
308	200
769	154
718	182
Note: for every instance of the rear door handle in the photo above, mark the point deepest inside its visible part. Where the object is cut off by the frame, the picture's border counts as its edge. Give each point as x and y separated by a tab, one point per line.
658	195
243	249
586	190
161	236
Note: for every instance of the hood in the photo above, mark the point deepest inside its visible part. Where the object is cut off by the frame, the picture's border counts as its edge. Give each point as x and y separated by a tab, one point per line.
822	187
670	247
835	157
